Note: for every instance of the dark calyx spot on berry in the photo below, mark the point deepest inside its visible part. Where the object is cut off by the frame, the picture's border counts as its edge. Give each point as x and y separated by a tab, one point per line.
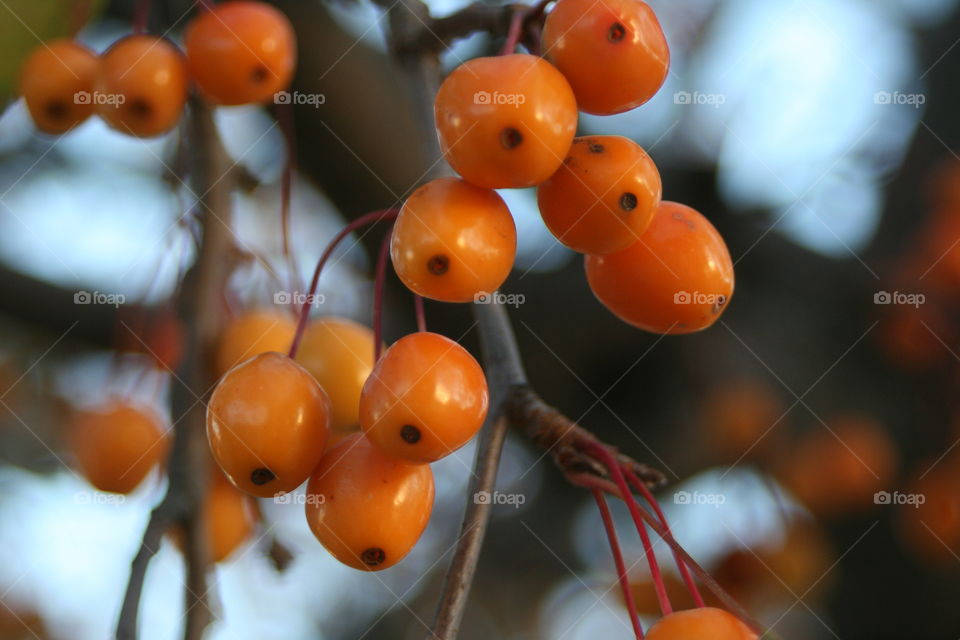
410	434
373	557
511	138
438	264
140	108
595	147
616	32
57	109
679	217
261	476
719	304
628	201
258	74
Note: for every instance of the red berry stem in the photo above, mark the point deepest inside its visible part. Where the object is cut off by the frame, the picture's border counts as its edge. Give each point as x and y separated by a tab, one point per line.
141	14
681	565
421	312
613	466
359	223
618	561
379	283
521	16
285	118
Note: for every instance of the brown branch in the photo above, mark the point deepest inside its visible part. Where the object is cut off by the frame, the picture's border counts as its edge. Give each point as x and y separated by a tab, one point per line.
199	306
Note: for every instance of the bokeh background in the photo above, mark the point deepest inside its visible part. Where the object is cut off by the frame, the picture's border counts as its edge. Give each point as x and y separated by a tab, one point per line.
819	136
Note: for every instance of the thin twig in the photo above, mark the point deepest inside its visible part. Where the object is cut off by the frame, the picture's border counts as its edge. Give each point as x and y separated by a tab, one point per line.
198	306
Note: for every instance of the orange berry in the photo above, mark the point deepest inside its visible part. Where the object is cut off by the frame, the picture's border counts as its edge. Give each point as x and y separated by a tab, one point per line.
339	354
700	624
241	52
367	508
840	469
603	197
142	85
252	333
678	278
229	516
453	240
268	422
117	445
613	52
506	121
50	81
426	398
742	417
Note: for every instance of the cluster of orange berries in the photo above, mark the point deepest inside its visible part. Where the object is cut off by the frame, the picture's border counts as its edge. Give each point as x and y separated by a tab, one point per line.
275	421
239	52
510	122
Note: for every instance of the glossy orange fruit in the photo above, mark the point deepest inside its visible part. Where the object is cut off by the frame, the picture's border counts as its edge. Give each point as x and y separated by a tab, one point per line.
251	333
268	422
141	86
603	197
241	52
700	624
453	241
426	398
677	278
613	52
505	121
118	444
339	354
367	508
57	82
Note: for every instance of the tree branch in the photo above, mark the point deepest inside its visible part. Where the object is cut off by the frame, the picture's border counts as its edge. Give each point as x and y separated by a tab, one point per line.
199	306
